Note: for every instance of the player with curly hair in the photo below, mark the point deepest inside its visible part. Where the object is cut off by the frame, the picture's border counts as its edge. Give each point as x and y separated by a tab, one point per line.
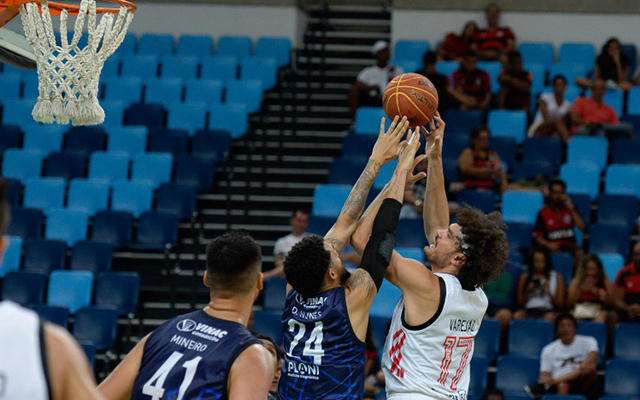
430	342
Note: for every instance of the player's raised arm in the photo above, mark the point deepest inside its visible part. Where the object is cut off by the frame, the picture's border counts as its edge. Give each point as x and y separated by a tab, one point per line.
436	208
386	149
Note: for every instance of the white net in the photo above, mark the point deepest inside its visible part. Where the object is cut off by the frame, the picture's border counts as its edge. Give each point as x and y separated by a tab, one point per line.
68	75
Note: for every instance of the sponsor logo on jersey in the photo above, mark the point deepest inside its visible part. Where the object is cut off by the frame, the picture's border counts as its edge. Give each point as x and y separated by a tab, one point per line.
304	371
201	330
311	302
186	325
188	343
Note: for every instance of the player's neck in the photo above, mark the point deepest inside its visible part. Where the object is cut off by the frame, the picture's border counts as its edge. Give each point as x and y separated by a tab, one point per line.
447	269
230	309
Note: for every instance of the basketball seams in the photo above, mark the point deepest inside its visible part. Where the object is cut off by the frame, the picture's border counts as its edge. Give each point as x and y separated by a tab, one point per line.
416	88
416	106
403	84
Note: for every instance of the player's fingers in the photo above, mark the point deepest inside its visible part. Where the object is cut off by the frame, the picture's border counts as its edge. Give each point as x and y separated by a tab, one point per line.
432	125
393	124
382	121
419	159
415	178
425	132
401	128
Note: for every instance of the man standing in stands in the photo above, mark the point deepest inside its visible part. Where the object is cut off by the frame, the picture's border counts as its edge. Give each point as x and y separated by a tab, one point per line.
494	41
299	222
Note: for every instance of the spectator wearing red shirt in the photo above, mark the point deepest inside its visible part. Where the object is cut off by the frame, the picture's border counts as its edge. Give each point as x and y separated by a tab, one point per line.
495	41
515	90
591	116
480	167
556	222
454	46
627	289
471	86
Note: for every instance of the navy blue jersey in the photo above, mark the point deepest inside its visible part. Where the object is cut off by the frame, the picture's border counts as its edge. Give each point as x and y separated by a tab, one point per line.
189	357
324	359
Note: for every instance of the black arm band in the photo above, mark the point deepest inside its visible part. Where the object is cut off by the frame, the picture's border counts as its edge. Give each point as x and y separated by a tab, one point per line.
377	254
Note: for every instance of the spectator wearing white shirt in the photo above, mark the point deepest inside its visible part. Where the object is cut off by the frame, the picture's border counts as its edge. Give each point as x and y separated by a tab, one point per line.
371	81
553	112
299	222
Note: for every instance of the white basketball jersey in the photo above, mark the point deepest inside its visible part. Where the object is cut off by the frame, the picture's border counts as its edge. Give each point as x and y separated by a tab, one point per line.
431	361
22	369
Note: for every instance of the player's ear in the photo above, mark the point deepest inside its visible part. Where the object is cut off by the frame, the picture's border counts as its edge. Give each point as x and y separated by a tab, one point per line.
332	273
260	282
460	260
205	279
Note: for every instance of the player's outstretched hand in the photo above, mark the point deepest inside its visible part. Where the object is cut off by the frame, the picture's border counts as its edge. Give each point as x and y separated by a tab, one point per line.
411	177
406	159
387	146
434	138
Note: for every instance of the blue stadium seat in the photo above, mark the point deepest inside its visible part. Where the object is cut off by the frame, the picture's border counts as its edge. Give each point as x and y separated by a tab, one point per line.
607	238
328	199
97	325
67	224
384	175
14	192
519	235
44	138
143	66
634	120
626	151
633	102
344	171
195	45
531	169
190	116
129	44
171	141
182	67
133	196
247	92
71	289
17	112
113	227
385	301
508	123
626	341
577	53
114	112
612	263
368	120
380	328
563	264
10	85
11	260
506	148
43	255
478	383
515	372
450	168
214	145
235	46
493	68
614	98
84	140
163	90
543	149
263	69
126	89
11	137
176	199
109	166
622	179
269	323
588	150
618	209
111	68
94	257
277	47
621	378
21	164
130	140
632	52
119	290
583	203
410	50
55	314
90	351
24	287
204	90
487	341
358	147
25	222
230	117
537	52
155	44
412	253
581	178
153	168
569	71
44	193
275	293
597	330
30	91
223	68
564	397
194	171
528	337
521	206
447	68
65	165
538	77
410	233
88	195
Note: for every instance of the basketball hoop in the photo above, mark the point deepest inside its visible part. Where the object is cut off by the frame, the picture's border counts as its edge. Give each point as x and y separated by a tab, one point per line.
68	76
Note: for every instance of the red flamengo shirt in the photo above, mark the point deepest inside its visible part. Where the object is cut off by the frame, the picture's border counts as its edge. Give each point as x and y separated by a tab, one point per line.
556	226
628	279
493	39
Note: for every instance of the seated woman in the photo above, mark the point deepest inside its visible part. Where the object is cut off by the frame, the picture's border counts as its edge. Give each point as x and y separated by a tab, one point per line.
541	291
453	47
612	66
590	290
553	112
481	167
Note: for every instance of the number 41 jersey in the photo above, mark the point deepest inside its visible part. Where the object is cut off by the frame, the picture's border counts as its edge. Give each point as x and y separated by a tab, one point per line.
324	359
189	357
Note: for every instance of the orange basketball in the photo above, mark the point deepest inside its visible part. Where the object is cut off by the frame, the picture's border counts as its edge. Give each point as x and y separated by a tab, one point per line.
412	96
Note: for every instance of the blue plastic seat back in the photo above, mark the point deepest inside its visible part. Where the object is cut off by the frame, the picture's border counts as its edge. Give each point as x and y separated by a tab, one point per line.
618	209
563	264
84	140
269	323
111	67
569	71
588	150
157	229
55	314
277	47
463	121
447	68
633	102
478	383
91	256
368	120
71	289
521	206
163	90
156	44
622	179
65	165
44	193
43	255
232	117
506	148
223	68
98	325
328	199
44	138
114	113
385	301
11	137
140	65
18	112
612	263
129	44
190	116
194	171
88	195
182	67
597	330
195	45
126	89
626	151
508	123
146	114
10	85
247	92
130	140
410	49
204	90
626	341
211	144
176	199
487	341
513	372
119	290
531	169
608	238
154	168
410	233
24	287
578	53
133	196
26	222
21	164
11	260
14	192
263	69
344	171
235	46
581	178
519	235
621	378
168	140
493	68
67	224
113	227
275	293
548	149
380	328
384	175
109	166
537	52
538	77
320	225
357	147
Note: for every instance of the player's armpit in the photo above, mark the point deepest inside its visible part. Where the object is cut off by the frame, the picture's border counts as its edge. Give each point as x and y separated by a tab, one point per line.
361	285
119	384
256	364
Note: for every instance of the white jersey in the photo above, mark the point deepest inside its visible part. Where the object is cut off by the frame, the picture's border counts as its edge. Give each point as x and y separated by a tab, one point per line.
22	370
431	361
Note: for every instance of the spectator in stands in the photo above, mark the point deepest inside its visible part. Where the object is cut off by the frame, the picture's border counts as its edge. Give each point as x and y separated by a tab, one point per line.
612	66
515	85
541	291
627	290
299	221
556	222
553	112
275	351
440	81
568	364
495	41
471	88
590	291
371	81
480	167
502	294
454	46
591	116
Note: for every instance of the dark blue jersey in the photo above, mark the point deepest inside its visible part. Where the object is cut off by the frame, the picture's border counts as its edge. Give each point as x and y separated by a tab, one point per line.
189	357
324	359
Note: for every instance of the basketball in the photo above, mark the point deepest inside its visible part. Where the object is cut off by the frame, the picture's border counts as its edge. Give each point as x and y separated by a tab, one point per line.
412	96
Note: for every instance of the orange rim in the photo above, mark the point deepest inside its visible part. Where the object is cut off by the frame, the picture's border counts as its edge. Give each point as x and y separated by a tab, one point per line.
57	8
